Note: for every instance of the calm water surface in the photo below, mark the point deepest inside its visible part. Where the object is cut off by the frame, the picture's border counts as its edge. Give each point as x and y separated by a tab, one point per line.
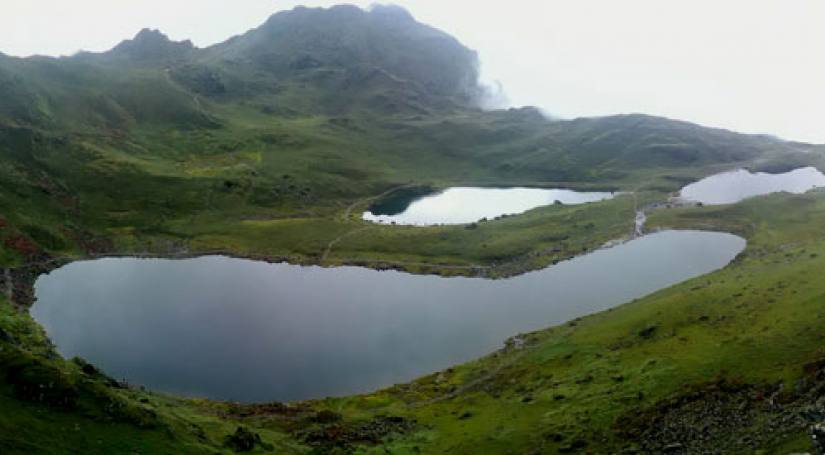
734	186
460	205
238	329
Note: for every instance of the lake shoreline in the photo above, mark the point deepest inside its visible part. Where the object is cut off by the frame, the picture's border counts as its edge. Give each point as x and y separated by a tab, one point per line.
340	315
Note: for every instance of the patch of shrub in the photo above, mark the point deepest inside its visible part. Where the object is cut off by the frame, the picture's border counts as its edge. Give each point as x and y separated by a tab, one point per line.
34	380
326	416
45	238
648	331
244	440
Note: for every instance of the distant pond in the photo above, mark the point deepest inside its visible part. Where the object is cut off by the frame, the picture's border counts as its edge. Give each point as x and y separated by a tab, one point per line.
237	329
734	186
459	205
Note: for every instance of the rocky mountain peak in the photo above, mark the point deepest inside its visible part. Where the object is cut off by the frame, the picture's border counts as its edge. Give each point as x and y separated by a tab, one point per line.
153	45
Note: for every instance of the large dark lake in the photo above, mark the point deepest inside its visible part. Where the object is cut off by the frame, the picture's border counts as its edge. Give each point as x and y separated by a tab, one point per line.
237	329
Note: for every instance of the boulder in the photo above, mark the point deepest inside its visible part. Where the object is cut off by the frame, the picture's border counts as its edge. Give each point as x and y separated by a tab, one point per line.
818	438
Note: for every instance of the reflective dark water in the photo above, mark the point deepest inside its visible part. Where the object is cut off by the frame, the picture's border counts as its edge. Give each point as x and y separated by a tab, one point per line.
734	186
460	205
238	329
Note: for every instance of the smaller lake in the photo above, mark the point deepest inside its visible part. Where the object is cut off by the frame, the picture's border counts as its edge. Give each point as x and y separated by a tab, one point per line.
734	186
251	331
459	205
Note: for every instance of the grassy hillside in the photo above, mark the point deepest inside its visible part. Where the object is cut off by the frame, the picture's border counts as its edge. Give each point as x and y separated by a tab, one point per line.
731	361
728	362
271	144
161	189
158	146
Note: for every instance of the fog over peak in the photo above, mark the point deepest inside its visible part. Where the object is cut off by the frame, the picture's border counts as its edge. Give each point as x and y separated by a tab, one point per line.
755	67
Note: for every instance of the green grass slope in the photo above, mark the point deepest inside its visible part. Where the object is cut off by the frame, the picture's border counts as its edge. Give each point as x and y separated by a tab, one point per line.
271	144
729	362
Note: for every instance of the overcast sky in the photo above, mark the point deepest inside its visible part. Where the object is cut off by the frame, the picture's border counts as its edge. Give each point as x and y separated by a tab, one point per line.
755	66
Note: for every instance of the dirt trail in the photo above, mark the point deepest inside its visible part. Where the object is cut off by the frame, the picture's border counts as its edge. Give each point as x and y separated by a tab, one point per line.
331	244
348	211
347	219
